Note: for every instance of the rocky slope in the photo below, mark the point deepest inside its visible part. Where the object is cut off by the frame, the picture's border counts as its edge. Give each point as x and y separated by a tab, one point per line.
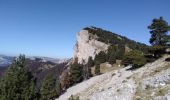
151	82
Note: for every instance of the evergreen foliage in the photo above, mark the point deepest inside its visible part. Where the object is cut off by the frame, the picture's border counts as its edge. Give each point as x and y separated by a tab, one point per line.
90	64
111	54
159	29
157	50
18	83
97	68
100	57
134	58
50	88
115	52
76	73
115	39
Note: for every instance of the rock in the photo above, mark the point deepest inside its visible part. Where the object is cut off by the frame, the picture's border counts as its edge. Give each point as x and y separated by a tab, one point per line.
109	86
159	98
87	45
167	50
162	84
168	97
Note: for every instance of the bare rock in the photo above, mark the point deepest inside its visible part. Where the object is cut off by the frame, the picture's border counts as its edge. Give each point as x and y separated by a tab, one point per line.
87	45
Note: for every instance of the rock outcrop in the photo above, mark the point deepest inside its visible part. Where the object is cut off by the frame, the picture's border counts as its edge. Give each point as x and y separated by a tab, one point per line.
87	45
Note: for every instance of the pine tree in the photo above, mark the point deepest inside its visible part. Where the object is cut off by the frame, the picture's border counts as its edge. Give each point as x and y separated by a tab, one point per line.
76	73
50	88
100	57
90	64
18	83
159	29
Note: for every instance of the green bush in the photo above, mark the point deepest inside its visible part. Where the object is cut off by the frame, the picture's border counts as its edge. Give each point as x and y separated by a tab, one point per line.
134	58
157	50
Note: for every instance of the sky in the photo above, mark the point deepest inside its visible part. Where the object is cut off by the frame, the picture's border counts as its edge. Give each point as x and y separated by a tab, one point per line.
49	27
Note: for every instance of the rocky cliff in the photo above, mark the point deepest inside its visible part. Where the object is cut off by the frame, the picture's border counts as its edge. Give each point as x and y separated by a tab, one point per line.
92	40
87	45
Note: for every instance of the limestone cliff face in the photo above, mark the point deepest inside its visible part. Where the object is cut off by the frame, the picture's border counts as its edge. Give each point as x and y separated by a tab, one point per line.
87	45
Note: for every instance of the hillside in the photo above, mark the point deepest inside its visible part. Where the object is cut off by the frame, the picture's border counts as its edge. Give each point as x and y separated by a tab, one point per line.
40	67
152	81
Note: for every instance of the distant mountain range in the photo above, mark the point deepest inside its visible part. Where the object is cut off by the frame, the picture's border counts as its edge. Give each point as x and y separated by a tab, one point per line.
7	60
39	66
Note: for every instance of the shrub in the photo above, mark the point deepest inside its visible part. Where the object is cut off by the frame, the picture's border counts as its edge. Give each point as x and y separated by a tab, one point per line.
157	50
134	58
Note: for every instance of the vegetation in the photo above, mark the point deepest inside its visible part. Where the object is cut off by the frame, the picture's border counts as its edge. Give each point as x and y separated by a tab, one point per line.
76	73
90	64
50	88
111	54
115	39
134	58
100	57
73	98
18	83
157	50
159	29
159	37
115	52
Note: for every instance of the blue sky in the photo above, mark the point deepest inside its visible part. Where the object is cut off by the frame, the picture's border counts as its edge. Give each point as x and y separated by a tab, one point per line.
49	27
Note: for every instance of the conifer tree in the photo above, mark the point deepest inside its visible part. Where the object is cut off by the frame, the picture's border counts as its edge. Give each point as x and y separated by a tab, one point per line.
18	83
97	68
100	57
76	72
159	29
50	88
90	64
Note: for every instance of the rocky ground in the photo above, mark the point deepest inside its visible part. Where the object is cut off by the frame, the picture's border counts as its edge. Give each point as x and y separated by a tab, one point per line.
151	82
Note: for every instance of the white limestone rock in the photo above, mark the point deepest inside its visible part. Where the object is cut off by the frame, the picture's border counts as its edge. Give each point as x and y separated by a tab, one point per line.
87	45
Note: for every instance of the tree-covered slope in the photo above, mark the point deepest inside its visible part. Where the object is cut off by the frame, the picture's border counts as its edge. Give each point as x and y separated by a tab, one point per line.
115	39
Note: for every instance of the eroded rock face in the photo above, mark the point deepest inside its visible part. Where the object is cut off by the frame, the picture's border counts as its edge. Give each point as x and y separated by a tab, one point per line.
87	45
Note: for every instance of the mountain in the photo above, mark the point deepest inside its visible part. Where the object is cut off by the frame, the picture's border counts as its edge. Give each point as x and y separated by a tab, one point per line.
46	59
39	66
92	40
5	60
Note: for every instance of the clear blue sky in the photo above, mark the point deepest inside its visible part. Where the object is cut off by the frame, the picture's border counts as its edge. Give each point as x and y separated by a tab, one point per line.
49	27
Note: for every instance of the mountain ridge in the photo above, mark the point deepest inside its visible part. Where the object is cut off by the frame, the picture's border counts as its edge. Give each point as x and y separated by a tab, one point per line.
92	40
